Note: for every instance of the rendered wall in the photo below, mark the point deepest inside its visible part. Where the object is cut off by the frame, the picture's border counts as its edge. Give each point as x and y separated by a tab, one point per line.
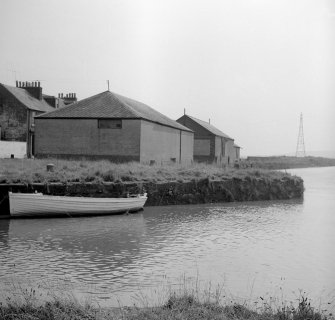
230	152
187	142
82	137
16	148
162	144
238	150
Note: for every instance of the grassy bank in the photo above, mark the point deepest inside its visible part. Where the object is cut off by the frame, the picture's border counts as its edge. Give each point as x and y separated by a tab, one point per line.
186	306
283	162
34	171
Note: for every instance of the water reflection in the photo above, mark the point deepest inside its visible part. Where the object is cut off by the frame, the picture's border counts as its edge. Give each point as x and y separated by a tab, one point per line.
125	252
4	231
252	247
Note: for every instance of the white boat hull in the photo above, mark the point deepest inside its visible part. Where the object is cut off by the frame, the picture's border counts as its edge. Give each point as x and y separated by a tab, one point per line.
37	204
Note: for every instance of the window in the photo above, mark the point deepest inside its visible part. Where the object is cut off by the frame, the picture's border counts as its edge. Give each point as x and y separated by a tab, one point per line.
110	124
202	147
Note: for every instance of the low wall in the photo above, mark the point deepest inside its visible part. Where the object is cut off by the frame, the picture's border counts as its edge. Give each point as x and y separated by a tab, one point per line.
170	193
16	148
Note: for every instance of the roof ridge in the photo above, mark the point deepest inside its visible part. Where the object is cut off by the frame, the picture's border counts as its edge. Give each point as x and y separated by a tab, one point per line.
201	120
209	127
108	104
115	95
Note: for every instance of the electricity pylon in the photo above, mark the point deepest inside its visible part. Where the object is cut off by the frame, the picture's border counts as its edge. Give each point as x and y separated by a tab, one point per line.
300	152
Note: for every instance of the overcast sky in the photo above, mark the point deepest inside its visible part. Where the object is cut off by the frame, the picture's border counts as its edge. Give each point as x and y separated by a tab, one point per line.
251	66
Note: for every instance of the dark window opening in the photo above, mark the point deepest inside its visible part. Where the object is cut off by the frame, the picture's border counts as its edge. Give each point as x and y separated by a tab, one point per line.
109	124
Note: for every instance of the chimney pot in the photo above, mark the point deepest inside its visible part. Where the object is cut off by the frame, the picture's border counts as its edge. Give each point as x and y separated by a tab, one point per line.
39	84
17	83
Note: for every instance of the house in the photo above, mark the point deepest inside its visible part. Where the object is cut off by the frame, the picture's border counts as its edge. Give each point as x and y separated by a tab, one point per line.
210	144
18	106
111	126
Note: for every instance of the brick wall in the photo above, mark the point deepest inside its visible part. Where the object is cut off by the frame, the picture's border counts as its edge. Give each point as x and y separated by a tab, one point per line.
82	137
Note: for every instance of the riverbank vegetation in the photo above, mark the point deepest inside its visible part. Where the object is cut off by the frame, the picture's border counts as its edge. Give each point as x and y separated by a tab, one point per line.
185	306
34	171
283	162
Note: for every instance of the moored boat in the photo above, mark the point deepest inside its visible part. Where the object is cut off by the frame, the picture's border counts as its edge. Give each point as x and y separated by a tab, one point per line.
38	204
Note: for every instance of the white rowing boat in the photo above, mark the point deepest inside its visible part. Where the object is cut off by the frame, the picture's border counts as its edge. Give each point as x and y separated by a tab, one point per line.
38	204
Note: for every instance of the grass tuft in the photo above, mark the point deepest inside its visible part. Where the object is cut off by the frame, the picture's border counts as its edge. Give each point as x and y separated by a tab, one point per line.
185	306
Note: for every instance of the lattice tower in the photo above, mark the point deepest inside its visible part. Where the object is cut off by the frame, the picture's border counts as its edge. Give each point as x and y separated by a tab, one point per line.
300	151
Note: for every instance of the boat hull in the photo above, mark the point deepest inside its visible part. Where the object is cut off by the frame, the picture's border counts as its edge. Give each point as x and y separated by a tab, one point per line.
37	204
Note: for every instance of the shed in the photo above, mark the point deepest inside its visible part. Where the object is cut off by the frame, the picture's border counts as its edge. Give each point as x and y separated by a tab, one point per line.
111	126
211	145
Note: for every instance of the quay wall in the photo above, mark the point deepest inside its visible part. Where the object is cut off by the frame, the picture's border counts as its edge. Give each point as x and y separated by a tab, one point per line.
171	193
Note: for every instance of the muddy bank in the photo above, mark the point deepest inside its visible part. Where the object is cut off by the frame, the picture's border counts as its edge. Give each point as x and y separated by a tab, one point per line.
170	193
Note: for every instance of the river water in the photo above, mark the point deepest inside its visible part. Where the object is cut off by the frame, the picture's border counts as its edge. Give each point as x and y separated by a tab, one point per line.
271	249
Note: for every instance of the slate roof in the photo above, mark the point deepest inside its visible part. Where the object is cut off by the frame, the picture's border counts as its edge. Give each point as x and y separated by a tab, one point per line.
209	127
28	100
111	105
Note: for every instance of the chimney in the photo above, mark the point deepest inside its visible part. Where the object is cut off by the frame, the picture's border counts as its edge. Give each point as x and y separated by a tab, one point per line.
68	98
33	88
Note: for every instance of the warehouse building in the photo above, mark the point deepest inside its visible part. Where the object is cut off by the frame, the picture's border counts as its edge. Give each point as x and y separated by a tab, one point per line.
111	126
210	144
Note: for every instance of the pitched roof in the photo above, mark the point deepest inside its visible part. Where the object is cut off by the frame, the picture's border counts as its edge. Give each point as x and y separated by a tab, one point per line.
209	127
111	105
236	146
27	99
